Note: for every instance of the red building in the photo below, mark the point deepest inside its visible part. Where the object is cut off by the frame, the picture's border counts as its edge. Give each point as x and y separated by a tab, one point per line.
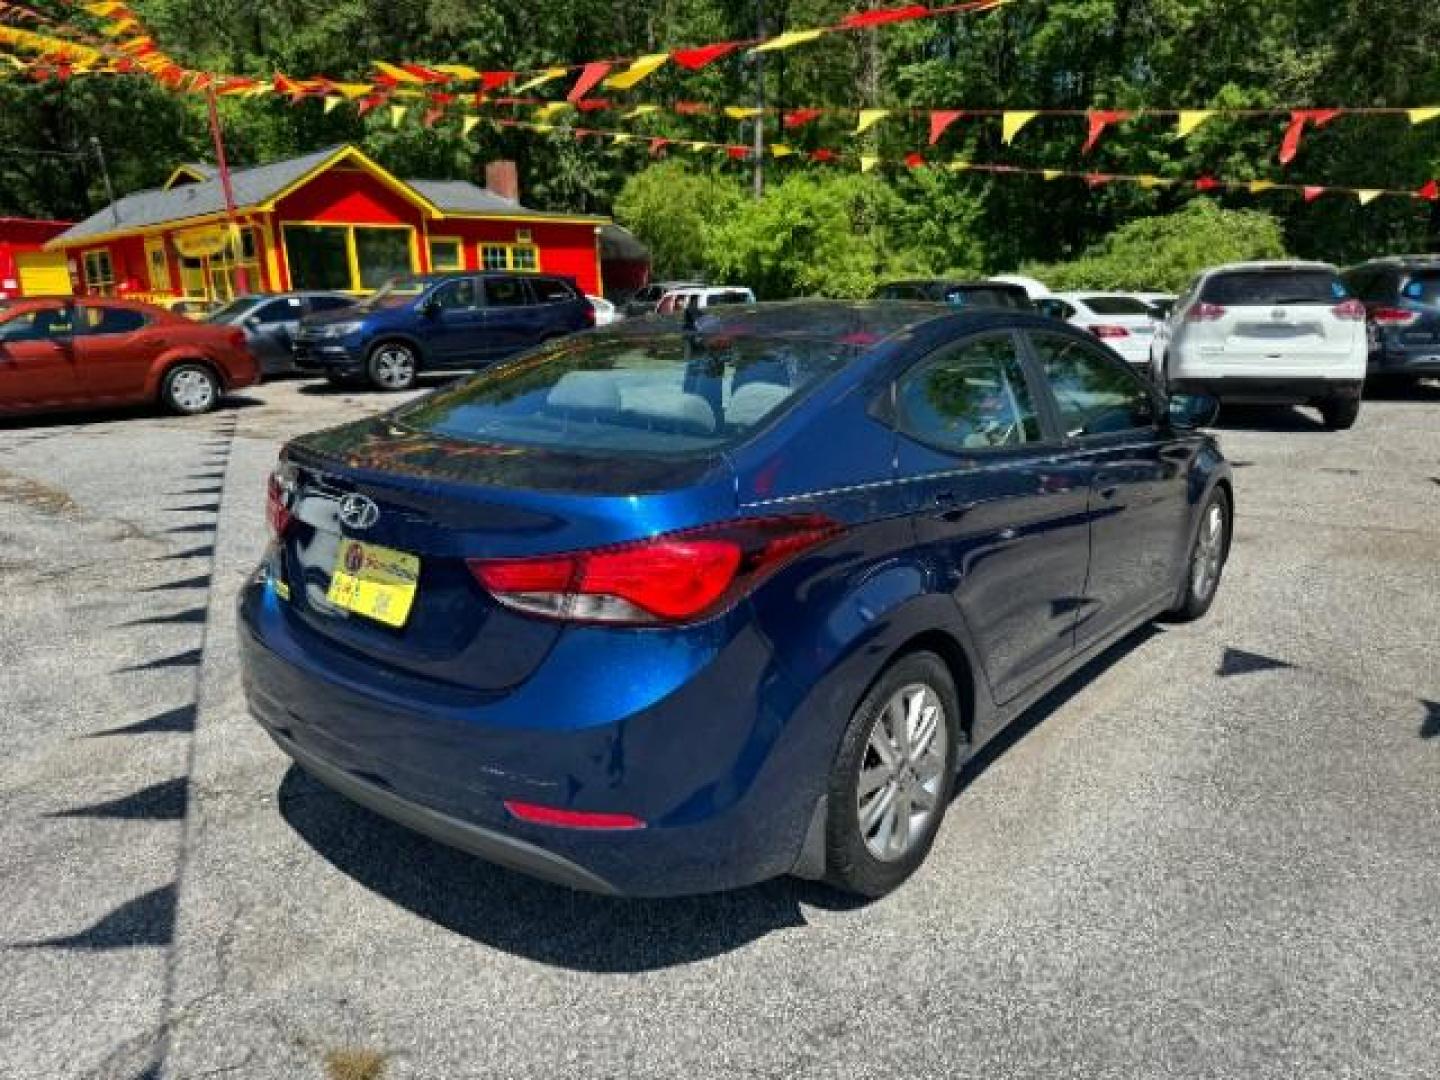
333	219
26	269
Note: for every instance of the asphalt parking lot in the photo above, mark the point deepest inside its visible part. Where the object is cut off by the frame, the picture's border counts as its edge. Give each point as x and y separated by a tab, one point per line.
1216	854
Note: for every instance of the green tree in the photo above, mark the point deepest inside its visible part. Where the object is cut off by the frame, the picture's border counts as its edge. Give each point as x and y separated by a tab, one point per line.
673	208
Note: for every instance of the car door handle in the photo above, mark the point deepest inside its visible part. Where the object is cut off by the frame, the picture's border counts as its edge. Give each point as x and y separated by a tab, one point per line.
1007	534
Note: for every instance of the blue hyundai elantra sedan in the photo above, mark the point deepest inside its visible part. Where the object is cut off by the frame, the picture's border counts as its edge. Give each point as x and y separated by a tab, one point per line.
673	608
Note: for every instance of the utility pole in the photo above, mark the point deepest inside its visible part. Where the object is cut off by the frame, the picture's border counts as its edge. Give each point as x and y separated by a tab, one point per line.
759	150
242	276
105	176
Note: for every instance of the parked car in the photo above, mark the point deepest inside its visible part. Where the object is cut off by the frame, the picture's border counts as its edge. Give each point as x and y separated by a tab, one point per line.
93	352
1123	321
645	301
423	322
1034	288
702	297
1286	333
191	307
656	611
271	321
1401	295
605	312
991	294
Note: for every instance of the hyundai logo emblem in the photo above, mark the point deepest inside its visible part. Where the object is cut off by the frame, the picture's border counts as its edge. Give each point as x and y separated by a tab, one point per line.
358	512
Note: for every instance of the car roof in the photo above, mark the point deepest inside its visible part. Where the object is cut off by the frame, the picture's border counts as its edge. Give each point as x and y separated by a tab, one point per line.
957	283
1277	264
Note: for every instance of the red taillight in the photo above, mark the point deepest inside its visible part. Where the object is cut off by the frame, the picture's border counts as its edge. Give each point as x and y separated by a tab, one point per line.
1204	313
570	819
1390	316
673	578
1103	331
1350	311
277	503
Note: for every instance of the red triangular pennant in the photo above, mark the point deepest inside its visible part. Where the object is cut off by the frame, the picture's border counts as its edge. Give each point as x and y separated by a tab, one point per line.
657	146
1095	180
738	153
1206	183
695	59
914	160
822	155
1430	191
1290	144
589	78
1312	192
592	104
493	80
941	119
1100	119
801	117
884	15
690	108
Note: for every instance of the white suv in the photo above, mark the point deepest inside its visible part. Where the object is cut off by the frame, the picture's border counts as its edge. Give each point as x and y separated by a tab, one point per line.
1281	332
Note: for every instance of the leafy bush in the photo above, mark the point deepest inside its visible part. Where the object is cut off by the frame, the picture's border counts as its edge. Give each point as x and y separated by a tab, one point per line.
671	208
1166	251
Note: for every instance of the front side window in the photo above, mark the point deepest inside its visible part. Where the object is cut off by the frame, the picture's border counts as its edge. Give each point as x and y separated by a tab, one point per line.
971	397
551	291
279	311
456	296
43	324
1096	395
1055	309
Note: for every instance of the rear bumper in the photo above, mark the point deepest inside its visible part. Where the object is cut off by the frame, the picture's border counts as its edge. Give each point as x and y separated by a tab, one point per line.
1279	391
710	766
1418	360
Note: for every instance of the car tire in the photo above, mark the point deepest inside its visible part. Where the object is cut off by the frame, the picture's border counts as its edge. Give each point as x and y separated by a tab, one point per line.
1208	555
1340	414
887	797
392	366
190	389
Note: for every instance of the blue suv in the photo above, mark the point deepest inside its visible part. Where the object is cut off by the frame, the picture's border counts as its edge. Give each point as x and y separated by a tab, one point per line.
432	321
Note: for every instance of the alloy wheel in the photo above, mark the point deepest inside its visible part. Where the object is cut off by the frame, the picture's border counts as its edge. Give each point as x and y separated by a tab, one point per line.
902	773
192	390
1209	553
394	367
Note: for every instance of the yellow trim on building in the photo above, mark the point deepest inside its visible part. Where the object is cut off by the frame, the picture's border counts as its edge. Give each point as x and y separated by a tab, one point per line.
529	219
397	185
186	171
509	248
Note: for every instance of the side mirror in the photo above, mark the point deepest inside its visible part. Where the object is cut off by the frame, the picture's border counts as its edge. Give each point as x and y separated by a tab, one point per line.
1190	411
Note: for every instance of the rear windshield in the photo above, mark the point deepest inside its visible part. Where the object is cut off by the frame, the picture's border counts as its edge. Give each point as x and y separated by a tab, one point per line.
970	296
1118	305
641	395
1255	287
1423	287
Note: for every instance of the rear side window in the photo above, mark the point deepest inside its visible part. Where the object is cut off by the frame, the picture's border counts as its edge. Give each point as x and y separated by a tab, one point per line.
971	397
1117	305
330	303
1242	288
108	320
1423	287
551	291
280	310
1095	394
1055	309
732	296
505	292
899	292
627	395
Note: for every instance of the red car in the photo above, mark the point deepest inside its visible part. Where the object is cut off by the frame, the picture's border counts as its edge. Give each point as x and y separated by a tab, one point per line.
79	353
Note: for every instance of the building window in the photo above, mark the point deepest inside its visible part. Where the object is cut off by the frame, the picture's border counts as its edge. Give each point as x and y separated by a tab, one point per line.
349	258
99	273
446	254
523	257
192	276
241	252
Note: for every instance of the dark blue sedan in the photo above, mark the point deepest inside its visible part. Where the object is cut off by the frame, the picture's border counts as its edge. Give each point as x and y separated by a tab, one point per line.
669	609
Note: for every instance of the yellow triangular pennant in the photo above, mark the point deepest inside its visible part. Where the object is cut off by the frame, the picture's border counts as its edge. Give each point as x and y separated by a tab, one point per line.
332	101
1147	182
1051	174
1190	119
468	125
1419	116
868	118
353	90
959	166
1368	195
1256	187
741	112
621	136
548	75
639	69
780	150
868	162
1012	122
463	72
546	112
639	111
787	39
397	114
399	74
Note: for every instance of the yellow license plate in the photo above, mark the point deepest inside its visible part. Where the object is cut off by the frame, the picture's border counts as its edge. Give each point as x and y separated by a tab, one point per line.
374	581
